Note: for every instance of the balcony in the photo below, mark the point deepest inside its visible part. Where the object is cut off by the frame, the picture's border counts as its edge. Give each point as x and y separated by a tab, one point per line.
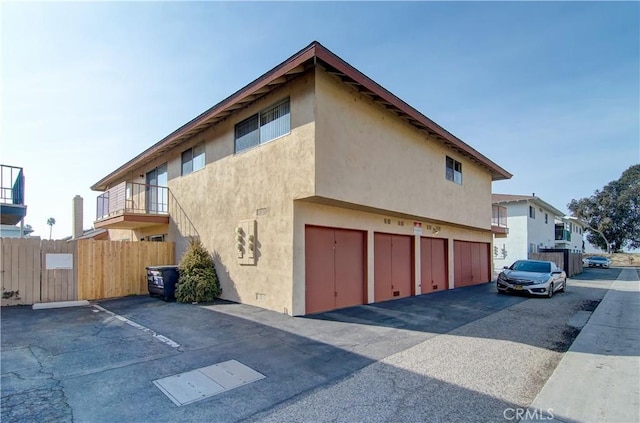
130	205
499	221
563	236
12	207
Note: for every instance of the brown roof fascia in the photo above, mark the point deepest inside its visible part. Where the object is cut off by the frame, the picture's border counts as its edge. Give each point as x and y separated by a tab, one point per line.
498	173
509	198
279	71
312	51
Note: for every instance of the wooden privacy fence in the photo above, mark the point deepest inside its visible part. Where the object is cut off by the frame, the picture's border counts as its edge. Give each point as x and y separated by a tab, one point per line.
34	270
30	274
570	262
108	269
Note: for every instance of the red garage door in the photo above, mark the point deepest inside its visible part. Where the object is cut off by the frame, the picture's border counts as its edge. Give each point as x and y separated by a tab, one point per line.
334	268
471	263
433	265
393	266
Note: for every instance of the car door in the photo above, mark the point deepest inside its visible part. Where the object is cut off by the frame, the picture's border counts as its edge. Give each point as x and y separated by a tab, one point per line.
557	275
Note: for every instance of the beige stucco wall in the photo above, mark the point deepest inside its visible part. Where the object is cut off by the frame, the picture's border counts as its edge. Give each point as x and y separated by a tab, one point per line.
341	146
367	155
307	213
137	234
121	235
232	187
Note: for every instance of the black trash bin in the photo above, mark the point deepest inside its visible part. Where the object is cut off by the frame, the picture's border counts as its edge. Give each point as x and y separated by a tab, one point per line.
162	281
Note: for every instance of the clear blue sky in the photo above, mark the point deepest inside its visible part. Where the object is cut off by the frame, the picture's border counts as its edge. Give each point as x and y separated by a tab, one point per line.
550	91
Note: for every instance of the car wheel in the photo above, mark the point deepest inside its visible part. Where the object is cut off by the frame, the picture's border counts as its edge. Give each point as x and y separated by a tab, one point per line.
550	293
564	286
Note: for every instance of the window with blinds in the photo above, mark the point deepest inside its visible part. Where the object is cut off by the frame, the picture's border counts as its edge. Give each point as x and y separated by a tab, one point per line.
263	127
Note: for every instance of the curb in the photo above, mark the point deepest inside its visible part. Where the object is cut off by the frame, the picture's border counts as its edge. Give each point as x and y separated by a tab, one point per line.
60	304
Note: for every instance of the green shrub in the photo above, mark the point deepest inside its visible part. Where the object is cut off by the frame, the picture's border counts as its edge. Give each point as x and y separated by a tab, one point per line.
198	281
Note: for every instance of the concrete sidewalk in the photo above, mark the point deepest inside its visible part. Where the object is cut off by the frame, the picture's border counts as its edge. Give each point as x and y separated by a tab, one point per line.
598	379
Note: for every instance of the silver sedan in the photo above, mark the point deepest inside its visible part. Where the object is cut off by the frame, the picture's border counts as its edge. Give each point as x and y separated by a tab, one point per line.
533	277
597	261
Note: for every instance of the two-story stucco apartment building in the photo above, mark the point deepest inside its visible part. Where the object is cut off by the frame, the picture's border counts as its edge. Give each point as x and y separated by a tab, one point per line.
533	225
315	188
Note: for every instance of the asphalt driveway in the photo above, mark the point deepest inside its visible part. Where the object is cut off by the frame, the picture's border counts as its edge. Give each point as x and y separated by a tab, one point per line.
99	363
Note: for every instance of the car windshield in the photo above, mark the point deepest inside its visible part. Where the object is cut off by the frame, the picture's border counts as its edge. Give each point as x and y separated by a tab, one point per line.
599	258
531	266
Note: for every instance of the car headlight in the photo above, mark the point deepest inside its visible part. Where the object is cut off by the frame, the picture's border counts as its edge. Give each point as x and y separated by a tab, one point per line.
540	281
502	278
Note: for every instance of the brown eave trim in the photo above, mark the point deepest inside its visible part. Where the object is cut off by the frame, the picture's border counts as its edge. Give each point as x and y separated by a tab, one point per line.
282	69
330	58
312	51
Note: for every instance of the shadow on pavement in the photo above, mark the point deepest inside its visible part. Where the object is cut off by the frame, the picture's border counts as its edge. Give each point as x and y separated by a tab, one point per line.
444	311
79	364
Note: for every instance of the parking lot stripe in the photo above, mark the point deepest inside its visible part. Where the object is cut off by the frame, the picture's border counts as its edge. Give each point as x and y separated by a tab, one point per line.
156	335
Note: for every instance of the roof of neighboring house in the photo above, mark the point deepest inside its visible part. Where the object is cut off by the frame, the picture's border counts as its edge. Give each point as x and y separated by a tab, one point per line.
315	54
509	198
575	220
88	234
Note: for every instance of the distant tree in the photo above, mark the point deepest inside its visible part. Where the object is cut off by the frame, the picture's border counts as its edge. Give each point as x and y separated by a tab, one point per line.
614	211
28	229
51	221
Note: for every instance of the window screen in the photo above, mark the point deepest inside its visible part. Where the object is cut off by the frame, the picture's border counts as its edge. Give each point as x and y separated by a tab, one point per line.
263	127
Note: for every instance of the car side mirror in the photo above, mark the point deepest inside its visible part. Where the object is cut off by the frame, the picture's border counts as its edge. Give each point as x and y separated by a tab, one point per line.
556	272
505	267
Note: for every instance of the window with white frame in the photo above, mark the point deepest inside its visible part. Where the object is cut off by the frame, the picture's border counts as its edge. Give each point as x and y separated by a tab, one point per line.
453	170
532	212
193	159
546	218
263	127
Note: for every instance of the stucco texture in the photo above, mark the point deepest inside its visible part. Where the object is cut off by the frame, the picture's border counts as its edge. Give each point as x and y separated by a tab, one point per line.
233	187
343	149
368	156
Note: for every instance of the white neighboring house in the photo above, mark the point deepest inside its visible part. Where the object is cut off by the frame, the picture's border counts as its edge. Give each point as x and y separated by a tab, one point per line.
13	231
570	235
531	226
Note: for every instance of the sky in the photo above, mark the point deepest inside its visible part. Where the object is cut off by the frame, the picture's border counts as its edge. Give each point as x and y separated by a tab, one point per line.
550	91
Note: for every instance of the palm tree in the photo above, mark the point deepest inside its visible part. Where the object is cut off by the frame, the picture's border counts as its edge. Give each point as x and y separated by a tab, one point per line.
51	221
